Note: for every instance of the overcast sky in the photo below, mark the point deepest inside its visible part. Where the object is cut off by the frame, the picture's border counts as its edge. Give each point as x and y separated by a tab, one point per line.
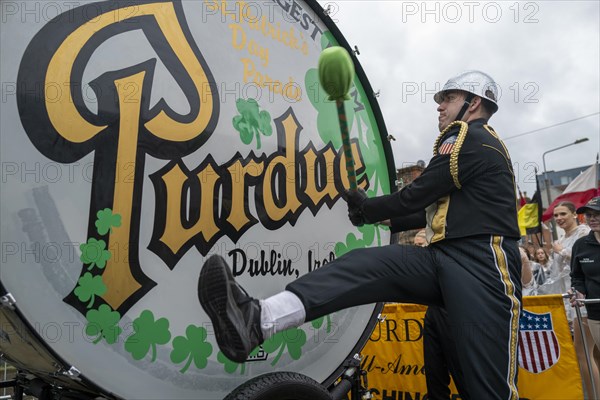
543	54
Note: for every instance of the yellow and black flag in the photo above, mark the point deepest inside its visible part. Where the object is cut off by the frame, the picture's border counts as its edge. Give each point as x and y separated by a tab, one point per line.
530	214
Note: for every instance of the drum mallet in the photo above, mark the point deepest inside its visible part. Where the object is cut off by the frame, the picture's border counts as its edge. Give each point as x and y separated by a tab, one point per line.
336	71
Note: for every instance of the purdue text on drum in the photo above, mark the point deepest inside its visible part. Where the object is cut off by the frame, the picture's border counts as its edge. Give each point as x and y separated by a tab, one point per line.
297	172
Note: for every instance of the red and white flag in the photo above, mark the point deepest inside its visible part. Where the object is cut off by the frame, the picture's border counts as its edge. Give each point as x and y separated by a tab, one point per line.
579	191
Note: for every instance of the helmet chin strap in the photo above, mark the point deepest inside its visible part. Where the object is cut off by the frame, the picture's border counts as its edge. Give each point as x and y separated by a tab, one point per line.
463	110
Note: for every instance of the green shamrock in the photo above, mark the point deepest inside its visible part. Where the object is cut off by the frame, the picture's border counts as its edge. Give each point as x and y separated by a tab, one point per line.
327	40
192	346
102	323
231	366
318	323
351	243
372	153
106	220
89	287
94	253
368	231
148	334
328	124
251	122
293	339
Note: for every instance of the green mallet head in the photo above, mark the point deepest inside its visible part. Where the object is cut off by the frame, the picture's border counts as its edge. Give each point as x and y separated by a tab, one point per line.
336	71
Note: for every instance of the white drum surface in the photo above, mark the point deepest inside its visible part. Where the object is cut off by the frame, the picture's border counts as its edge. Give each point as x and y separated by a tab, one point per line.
140	138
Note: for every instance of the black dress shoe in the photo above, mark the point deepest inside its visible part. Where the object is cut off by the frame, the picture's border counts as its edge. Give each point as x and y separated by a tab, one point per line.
234	314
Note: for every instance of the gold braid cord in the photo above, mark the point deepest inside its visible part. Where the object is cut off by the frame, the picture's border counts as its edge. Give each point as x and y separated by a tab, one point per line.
462	134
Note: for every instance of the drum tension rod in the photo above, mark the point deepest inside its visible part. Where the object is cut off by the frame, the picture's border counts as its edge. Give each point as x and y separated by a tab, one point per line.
72	373
353	380
8	301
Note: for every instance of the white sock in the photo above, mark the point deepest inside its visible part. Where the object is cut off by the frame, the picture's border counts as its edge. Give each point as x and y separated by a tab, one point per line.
280	312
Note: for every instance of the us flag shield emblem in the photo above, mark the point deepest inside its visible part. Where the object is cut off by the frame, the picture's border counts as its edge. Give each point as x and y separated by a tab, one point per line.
447	146
538	345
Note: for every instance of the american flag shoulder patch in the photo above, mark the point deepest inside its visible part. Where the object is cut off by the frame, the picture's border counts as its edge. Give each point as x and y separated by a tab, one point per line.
447	145
538	346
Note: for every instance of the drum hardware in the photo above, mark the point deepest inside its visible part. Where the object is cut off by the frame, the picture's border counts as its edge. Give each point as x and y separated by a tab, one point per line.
376	94
381	318
72	373
60	371
353	381
29	384
356	51
8	301
17	388
37	372
39	389
328	10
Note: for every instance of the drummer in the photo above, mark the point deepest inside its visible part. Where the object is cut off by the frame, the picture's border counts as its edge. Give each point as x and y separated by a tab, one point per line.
466	197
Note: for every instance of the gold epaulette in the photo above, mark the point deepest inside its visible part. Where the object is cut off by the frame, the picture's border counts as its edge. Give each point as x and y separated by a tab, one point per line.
462	134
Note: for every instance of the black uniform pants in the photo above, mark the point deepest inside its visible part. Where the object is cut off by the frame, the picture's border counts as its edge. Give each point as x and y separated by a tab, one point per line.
476	279
440	356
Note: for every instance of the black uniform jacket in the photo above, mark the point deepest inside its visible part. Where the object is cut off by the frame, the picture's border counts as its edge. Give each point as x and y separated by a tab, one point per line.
585	271
467	189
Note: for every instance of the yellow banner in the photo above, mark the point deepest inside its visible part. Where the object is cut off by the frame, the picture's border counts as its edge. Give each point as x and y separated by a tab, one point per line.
562	379
548	368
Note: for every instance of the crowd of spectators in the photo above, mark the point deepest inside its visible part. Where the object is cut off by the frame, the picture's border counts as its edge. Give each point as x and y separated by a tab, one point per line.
547	270
549	261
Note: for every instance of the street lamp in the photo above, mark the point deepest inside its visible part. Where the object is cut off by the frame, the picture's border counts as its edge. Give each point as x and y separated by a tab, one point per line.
547	182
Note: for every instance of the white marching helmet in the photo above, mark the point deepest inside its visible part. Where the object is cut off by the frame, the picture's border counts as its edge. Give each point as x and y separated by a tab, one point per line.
475	82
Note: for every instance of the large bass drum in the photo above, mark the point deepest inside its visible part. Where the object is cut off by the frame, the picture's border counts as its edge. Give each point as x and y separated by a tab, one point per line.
140	137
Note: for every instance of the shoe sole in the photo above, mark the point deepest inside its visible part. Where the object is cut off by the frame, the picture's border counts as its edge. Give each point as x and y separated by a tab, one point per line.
214	295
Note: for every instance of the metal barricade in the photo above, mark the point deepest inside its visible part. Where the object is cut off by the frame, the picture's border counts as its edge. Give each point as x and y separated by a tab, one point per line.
582	333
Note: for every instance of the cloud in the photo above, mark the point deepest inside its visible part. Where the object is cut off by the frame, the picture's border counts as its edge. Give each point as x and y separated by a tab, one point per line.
543	54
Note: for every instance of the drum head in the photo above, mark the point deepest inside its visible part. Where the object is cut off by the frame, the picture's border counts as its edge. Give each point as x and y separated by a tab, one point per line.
138	138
